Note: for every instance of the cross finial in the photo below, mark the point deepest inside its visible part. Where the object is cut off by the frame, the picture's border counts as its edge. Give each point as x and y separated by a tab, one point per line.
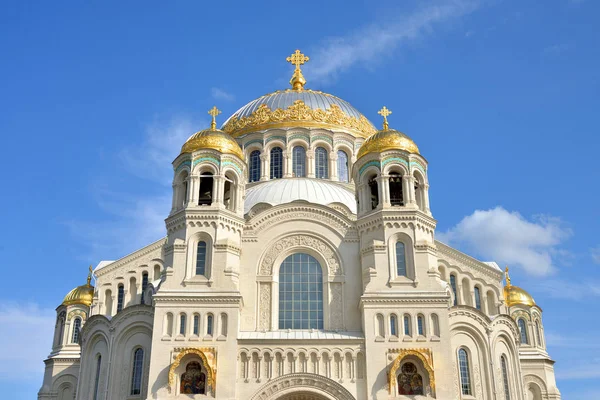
384	112
89	278
297	59
507	277
214	112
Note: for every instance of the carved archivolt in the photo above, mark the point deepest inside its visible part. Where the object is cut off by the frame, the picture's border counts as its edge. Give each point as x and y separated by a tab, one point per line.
302	382
319	245
208	358
426	357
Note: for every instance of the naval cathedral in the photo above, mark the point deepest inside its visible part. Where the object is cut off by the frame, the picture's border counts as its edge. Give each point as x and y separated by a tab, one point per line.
299	263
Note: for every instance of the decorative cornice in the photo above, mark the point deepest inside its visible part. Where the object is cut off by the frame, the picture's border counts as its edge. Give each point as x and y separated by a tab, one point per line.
447	251
131	257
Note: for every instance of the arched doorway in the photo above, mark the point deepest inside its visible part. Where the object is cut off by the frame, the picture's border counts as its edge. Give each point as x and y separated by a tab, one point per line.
302	386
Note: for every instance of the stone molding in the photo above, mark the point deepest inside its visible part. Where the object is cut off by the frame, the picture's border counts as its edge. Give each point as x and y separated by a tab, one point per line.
302	381
470	262
131	257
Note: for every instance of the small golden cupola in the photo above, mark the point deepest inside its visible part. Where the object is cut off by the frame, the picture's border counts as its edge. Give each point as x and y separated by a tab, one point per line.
213	138
387	139
83	294
514	295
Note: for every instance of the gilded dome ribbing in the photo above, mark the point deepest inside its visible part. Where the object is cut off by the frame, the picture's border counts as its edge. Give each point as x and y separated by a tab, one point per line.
213	139
389	139
83	294
514	295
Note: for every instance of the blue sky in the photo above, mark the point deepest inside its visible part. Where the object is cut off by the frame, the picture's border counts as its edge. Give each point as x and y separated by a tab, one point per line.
500	96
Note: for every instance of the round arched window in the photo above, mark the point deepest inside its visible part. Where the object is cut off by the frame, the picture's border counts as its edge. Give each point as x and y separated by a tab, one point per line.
300	293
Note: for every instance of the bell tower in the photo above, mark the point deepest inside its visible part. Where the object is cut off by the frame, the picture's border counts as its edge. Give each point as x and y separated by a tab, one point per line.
197	306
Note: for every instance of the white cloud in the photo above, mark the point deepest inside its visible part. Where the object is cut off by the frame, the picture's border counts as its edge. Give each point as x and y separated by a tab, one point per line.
596	254
133	219
220	94
508	238
371	43
26	333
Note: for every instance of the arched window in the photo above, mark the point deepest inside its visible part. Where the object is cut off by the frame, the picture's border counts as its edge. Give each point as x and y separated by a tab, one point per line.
465	374
300	293
97	378
396	195
182	324
342	166
254	173
538	334
144	287
76	330
400	259
409	380
453	286
435	323
393	325
380	326
407	327
60	324
299	162
374	192
209	324
205	192
477	298
136	374
276	163
321	163
196	324
201	258
193	380
505	377
223	324
523	331
421	325
120	297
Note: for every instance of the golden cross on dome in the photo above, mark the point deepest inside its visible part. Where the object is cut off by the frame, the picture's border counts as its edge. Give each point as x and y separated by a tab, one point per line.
384	112
89	278
214	112
297	59
507	277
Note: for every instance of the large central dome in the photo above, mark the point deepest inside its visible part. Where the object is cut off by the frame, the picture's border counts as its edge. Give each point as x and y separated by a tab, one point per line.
305	107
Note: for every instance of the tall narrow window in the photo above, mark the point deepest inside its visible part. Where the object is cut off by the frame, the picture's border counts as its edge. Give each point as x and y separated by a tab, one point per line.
374	192
342	166
120	297
465	377
196	324
523	331
400	259
254	174
300	293
144	287
505	377
406	321
136	374
321	163
61	327
538	334
299	162
421	325
435	323
223	324
276	163
393	325
453	286
477	298
182	324
209	325
205	192
396	195
97	378
201	258
76	330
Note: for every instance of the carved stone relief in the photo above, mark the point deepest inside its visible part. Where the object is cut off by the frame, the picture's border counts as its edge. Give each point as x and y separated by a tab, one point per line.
264	319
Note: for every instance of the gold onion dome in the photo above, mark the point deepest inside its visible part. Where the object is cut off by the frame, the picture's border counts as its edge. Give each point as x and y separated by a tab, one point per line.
514	295
387	139
214	139
83	294
298	107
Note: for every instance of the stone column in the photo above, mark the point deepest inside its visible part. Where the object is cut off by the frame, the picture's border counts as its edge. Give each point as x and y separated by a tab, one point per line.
174	201
193	190
287	164
264	166
411	190
406	192
218	187
310	163
382	184
333	172
426	197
